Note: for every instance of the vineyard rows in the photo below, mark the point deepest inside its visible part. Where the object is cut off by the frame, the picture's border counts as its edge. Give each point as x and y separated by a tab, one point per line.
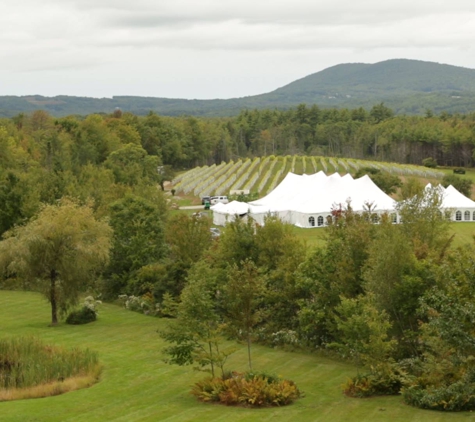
262	175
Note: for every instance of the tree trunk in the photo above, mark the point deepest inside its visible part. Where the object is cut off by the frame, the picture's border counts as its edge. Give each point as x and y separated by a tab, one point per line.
53	298
211	357
249	350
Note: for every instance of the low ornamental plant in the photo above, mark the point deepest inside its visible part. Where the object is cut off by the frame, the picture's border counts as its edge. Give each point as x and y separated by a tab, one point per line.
87	313
380	381
81	316
26	363
247	389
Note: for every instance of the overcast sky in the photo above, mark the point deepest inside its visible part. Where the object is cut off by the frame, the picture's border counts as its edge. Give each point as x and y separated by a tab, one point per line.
215	48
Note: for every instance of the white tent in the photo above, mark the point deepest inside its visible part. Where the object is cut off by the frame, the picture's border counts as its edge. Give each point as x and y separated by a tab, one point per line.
339	192
307	200
223	213
460	207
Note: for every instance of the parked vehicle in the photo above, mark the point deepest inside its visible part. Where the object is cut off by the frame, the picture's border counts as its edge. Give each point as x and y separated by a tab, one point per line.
218	199
204	199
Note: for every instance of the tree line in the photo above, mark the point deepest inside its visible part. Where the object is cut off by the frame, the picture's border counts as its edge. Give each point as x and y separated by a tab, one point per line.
185	142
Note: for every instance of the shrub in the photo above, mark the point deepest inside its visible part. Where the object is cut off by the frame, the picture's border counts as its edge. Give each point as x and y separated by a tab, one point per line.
448	387
242	197
143	304
376	383
285	337
88	312
81	316
429	162
387	182
459	396
248	389
463	185
271	378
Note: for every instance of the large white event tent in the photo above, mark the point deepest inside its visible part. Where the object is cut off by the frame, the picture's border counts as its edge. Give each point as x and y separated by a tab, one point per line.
460	207
307	200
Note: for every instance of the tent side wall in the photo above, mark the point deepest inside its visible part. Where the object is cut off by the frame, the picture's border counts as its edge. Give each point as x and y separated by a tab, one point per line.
461	215
219	219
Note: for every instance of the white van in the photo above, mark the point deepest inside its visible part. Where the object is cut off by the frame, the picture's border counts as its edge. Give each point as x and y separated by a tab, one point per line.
216	199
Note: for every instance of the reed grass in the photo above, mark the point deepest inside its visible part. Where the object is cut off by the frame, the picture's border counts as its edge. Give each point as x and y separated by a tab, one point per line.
27	362
53	388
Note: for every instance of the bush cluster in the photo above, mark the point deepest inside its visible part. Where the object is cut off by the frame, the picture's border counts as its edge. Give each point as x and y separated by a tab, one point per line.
248	389
448	387
87	313
429	162
144	304
81	316
375	383
459	396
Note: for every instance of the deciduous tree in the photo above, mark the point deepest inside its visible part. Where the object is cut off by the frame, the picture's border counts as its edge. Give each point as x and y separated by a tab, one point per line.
243	295
196	335
138	241
58	252
462	184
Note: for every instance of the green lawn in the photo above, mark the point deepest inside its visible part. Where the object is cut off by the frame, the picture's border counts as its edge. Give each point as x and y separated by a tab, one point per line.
137	386
469	173
464	233
312	237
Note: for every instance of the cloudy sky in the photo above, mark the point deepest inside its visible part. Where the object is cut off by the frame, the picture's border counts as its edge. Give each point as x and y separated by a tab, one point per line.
215	48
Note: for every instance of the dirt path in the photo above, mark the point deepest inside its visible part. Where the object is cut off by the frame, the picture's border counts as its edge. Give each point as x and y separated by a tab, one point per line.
192	207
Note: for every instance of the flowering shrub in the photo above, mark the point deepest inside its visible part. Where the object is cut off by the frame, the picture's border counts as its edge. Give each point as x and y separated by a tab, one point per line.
143	304
283	337
92	304
87	313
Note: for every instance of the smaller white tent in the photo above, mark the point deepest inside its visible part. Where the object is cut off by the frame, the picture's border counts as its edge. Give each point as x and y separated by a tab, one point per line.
227	212
461	208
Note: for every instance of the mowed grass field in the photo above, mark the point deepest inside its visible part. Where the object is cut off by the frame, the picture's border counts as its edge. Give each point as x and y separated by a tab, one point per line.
464	234
137	386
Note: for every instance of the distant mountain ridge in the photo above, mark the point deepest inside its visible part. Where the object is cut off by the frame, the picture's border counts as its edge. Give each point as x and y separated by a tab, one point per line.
399	75
407	86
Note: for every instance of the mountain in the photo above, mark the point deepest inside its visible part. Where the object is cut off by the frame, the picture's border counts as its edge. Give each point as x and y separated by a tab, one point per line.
406	86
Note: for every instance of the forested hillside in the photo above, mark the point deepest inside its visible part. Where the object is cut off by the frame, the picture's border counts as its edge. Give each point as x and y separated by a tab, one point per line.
185	142
103	157
407	86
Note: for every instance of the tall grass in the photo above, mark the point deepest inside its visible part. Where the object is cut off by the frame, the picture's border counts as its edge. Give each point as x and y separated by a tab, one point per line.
27	362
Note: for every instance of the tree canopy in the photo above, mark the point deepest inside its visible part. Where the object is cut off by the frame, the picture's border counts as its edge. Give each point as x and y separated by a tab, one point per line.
58	252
